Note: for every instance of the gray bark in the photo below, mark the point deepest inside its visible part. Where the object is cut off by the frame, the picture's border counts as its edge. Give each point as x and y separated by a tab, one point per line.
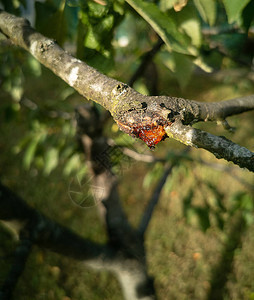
136	114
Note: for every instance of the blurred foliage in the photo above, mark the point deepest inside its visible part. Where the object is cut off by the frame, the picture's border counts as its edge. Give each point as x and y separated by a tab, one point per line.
111	35
96	31
100	29
56	20
43	159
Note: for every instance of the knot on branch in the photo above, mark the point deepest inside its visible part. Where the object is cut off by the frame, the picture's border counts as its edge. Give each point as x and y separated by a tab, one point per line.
119	91
45	45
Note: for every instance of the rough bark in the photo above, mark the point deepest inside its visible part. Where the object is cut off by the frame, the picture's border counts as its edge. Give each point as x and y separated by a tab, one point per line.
145	117
220	146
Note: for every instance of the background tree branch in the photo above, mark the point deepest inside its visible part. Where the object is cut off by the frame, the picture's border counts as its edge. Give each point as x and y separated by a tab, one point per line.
124	254
41	231
147	215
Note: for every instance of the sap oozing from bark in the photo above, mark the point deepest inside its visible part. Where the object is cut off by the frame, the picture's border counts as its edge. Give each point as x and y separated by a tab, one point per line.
150	133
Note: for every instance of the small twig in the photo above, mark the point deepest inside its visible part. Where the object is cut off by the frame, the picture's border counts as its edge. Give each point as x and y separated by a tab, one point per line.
134	154
48	113
146	58
153	201
218	46
139	156
208	31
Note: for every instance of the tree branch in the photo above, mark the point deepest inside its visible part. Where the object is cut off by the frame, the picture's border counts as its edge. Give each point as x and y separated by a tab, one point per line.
221	110
144	222
45	233
39	230
146	59
144	117
122	236
219	146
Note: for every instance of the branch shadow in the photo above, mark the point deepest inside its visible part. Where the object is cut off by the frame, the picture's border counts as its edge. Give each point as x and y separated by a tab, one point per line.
224	266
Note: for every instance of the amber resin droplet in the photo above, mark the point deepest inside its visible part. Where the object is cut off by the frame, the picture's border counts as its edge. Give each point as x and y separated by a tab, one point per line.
151	134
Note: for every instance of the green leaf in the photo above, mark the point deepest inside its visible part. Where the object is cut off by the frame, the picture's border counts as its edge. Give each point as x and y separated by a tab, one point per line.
140	87
51	20
189	21
207	10
234	8
219	220
231	43
21	144
51	160
95	34
73	164
248	15
34	66
187	202
167	4
99	61
181	65
165	26
199	61
30	152
152	176
14	82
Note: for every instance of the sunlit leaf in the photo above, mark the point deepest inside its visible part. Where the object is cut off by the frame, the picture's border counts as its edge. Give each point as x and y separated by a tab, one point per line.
167	4
207	10
181	65
189	21
73	164
14	82
51	160
165	26
95	35
30	152
180	4
140	87
21	144
34	66
202	64
234	8
152	176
